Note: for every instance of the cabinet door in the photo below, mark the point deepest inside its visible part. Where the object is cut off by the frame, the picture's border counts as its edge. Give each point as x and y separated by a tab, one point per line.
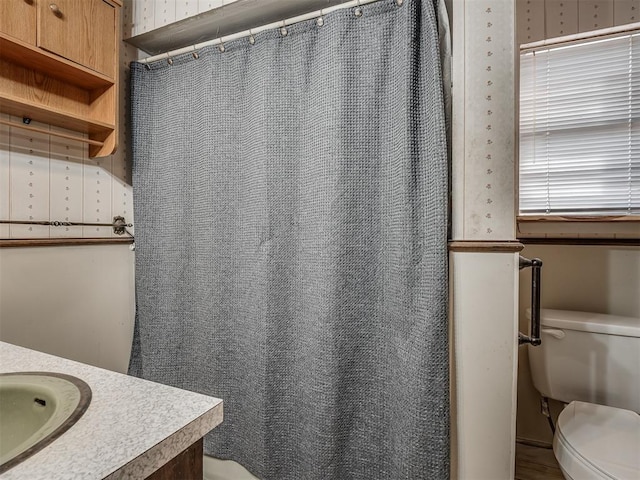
18	19
83	31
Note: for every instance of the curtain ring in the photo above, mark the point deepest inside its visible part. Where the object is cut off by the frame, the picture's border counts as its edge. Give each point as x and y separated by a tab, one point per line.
195	53
146	64
320	19
283	29
169	59
358	10
252	39
220	45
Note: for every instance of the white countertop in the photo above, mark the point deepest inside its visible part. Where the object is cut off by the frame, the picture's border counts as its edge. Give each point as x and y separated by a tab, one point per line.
131	428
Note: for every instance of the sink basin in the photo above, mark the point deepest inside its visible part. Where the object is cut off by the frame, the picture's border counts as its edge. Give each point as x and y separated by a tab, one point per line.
35	409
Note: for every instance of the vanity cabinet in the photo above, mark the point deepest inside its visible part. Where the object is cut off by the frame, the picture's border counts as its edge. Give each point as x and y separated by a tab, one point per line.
59	65
133	428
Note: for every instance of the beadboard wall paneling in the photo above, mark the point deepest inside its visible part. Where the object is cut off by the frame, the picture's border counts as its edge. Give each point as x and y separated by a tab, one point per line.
151	14
66	160
44	177
28	154
483	201
561	18
626	11
594	14
542	19
532	19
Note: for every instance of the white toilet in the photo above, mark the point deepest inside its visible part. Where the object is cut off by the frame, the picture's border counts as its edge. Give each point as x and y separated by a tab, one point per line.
592	362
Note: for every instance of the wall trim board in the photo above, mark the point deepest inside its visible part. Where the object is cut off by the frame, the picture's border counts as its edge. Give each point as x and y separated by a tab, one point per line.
583	219
533	443
484	246
613	242
61	242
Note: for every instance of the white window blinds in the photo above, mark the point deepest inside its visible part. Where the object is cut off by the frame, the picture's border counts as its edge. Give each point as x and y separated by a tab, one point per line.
580	128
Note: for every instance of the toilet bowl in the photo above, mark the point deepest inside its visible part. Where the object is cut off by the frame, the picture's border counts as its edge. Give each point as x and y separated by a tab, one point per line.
591	362
597	442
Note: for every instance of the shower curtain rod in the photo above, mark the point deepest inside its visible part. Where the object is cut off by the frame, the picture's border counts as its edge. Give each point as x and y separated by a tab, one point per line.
252	31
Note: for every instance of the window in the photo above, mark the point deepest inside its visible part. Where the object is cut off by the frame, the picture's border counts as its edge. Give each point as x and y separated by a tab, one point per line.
580	131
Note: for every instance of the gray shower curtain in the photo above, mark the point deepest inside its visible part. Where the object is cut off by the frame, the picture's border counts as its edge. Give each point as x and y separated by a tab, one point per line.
291	256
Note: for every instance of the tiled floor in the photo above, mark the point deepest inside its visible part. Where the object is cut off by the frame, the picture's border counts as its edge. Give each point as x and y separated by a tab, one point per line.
536	463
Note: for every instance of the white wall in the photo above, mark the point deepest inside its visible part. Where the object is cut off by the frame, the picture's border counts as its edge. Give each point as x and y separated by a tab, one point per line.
483	338
76	301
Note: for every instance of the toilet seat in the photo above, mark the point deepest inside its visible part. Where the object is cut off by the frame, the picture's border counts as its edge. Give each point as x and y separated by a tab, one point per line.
598	442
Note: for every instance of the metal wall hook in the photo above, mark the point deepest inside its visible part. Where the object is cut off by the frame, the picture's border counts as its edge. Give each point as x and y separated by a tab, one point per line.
119	225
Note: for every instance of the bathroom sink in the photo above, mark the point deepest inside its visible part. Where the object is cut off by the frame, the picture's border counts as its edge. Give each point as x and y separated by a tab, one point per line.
35	409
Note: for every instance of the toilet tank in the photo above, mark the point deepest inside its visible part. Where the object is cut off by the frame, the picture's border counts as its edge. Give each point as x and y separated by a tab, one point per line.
590	357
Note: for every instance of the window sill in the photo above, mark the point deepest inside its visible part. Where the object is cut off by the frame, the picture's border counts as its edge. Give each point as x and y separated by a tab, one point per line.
625	228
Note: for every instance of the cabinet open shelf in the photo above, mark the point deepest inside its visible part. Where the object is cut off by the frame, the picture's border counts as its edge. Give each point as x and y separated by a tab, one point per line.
52	116
21	53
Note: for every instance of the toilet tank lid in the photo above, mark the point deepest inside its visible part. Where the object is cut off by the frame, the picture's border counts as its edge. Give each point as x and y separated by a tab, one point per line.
589	322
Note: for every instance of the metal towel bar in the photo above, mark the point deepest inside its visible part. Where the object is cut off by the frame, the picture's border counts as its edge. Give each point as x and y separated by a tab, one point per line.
119	224
536	266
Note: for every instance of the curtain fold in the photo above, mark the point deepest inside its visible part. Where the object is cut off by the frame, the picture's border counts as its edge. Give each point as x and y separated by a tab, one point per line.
291	243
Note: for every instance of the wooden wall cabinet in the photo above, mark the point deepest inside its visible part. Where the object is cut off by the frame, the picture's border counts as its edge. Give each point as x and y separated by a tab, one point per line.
59	65
18	19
